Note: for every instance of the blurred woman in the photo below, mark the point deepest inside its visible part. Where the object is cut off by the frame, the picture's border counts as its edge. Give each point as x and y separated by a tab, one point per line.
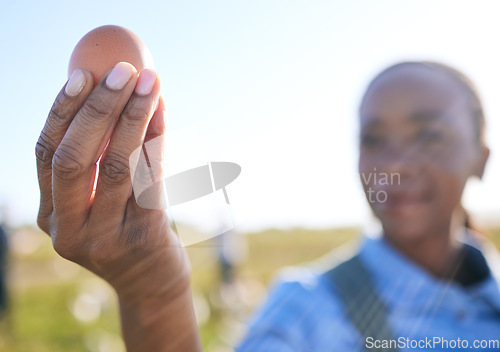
423	283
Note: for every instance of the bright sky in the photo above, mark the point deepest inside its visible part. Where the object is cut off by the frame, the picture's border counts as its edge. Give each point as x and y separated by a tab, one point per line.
271	85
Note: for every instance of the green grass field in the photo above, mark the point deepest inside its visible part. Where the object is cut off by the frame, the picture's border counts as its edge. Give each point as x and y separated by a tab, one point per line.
57	306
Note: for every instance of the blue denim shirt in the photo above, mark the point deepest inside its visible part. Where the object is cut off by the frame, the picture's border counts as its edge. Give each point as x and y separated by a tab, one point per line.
303	313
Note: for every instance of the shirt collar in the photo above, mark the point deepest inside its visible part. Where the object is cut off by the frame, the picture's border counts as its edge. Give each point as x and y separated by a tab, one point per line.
403	281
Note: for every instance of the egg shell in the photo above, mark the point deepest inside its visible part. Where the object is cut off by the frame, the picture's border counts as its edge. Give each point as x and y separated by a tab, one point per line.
103	47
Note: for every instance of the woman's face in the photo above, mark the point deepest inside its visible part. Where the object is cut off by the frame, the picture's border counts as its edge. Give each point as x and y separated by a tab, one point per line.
418	147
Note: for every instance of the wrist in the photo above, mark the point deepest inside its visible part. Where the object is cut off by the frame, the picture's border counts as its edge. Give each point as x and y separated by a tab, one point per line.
163	271
148	311
163	276
160	322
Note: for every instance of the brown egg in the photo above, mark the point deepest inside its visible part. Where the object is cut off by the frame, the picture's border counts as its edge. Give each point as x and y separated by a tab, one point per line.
103	47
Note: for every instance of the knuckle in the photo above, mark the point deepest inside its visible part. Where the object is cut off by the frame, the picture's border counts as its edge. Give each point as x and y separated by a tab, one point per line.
59	109
61	112
65	165
97	107
98	257
135	113
44	150
43	223
66	250
115	168
103	254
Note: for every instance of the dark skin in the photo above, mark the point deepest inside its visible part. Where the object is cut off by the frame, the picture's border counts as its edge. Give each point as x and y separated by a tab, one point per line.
132	248
416	123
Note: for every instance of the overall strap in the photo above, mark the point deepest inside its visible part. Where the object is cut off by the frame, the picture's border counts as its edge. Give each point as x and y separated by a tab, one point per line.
353	284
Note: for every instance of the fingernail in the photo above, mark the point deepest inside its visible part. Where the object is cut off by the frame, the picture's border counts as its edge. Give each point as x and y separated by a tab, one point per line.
146	82
76	83
120	75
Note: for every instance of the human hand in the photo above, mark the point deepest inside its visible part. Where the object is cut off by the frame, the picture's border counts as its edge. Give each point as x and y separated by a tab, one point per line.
106	232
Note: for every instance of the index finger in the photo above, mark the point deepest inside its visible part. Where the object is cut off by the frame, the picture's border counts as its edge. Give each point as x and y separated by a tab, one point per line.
69	100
